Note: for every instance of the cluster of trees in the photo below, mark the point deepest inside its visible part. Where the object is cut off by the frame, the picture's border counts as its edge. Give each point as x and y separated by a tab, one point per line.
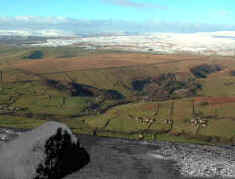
202	71
37	54
165	86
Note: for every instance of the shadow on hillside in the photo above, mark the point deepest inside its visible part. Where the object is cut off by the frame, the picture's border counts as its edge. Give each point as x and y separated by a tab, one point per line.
78	89
202	71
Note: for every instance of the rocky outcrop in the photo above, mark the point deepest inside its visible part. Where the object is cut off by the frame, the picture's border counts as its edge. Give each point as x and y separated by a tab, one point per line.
50	151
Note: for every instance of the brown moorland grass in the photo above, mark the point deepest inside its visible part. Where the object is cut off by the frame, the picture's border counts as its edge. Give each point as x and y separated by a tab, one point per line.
110	64
215	100
100	61
116	71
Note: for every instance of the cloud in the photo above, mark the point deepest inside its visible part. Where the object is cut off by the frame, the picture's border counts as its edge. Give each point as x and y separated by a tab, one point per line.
72	25
34	20
131	3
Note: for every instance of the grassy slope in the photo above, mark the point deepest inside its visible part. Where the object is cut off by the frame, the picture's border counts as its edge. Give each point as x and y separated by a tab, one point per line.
41	99
10	54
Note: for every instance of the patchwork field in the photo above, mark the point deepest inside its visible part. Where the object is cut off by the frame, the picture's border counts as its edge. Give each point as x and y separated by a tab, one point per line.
124	94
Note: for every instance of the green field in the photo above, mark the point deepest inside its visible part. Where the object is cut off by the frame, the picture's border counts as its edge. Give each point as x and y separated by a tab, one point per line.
104	100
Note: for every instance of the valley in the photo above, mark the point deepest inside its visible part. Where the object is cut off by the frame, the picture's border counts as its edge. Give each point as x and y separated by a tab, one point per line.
133	95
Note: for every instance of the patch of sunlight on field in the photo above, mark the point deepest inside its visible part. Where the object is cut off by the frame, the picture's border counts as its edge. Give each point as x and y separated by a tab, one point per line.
78	125
124	124
217	86
223	127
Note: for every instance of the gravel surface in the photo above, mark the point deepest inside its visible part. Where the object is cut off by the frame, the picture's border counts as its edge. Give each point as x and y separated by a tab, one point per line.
8	134
124	159
199	160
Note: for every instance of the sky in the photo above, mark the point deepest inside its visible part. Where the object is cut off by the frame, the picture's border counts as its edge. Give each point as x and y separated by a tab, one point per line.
122	15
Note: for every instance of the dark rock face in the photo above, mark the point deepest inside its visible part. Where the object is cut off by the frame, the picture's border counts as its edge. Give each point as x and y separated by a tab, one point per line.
50	151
